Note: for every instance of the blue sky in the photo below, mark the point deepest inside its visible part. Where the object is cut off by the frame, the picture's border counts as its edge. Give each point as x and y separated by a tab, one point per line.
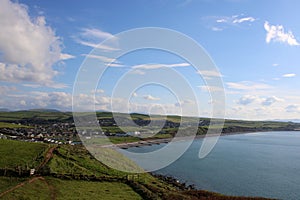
254	44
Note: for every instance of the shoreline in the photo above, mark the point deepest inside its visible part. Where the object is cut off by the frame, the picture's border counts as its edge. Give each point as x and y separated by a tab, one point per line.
151	142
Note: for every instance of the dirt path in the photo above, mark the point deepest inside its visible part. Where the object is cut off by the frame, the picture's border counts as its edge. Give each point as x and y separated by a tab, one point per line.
50	187
48	156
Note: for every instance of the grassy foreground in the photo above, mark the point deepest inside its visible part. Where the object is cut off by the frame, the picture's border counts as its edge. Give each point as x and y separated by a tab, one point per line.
20	154
71	172
52	188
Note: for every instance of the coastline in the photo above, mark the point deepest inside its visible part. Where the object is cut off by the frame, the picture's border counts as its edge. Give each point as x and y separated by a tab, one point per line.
154	141
183	184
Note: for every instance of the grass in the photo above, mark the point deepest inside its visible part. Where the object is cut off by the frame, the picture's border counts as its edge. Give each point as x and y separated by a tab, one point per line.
31	191
77	160
12	125
109	140
72	189
16	153
44	115
162	136
9	182
110	184
92	190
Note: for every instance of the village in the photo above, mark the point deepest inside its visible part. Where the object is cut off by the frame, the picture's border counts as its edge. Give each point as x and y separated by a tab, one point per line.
65	132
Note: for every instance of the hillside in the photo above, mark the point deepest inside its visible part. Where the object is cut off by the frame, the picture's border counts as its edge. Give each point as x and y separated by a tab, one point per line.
171	123
70	172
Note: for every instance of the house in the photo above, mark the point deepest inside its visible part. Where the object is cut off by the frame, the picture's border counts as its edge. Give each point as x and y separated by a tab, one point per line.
135	133
2	136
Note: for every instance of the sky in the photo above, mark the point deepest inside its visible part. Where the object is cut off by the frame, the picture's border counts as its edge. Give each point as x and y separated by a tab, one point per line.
254	44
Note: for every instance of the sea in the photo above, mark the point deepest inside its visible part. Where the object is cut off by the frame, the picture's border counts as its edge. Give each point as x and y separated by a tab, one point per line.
261	164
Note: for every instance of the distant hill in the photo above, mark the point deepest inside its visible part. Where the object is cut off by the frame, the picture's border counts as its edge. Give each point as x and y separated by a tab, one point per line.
107	121
4	110
287	120
35	115
44	110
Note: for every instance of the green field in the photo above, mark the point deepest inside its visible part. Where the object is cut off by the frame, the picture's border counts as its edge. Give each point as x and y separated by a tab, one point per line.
109	140
34	114
93	190
12	125
35	190
16	153
9	182
76	160
50	188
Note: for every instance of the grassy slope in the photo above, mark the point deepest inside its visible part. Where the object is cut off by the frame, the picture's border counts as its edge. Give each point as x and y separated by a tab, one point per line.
92	190
73	162
64	189
35	190
9	182
16	153
11	125
21	115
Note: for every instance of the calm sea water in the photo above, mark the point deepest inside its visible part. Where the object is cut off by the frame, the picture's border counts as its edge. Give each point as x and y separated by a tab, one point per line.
263	164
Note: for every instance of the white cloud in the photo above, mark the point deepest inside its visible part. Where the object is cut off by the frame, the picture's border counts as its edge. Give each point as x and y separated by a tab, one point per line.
206	88
276	33
99	57
243	19
28	47
95	33
97	91
292	108
210	73
275	65
37	99
134	94
92	37
222	22
100	91
289	75
96	45
115	65
264	101
137	71
65	56
23	103
141	69
247	85
151	98
17	73
247	99
5	89
270	100
31	85
157	66
216	29
58	100
276	79
111	62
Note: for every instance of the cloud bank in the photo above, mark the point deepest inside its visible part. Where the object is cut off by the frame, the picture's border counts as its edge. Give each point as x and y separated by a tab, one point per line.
28	47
